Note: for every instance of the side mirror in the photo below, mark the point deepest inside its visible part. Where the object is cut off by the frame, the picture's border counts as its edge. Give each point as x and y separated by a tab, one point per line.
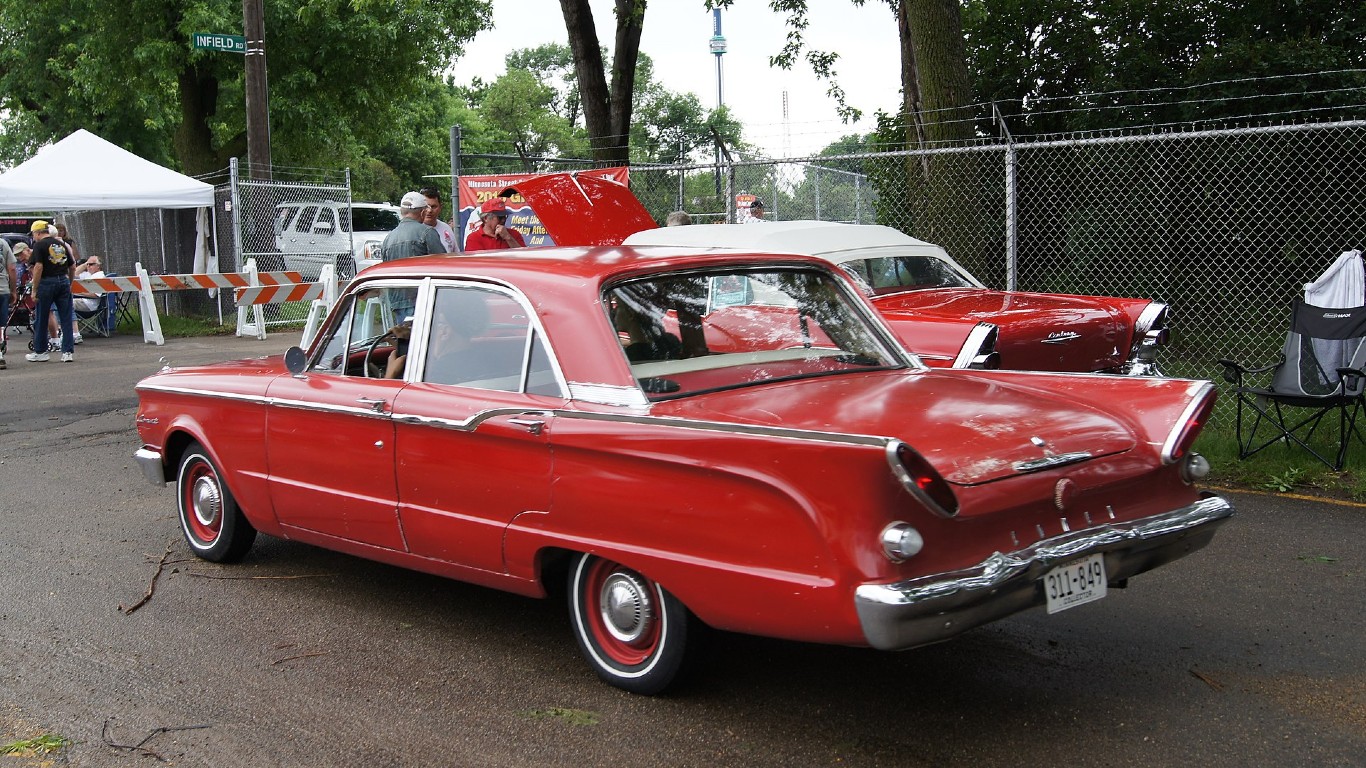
296	360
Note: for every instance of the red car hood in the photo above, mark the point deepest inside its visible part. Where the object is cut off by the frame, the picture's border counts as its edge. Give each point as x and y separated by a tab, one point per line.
973	429
1042	332
585	210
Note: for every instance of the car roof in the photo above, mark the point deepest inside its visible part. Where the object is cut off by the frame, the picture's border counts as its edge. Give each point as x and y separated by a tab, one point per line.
830	240
593	265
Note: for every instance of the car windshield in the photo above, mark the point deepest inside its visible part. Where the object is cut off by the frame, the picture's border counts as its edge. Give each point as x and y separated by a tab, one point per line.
707	331
373	219
889	274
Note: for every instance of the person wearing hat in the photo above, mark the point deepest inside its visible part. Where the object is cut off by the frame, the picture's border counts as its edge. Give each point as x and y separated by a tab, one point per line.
9	286
756	212
411	237
494	234
52	271
433	219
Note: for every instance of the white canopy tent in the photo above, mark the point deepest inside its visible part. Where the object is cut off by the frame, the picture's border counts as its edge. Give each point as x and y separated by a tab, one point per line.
83	172
86	173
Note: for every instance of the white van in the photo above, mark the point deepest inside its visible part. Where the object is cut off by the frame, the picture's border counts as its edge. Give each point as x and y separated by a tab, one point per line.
311	234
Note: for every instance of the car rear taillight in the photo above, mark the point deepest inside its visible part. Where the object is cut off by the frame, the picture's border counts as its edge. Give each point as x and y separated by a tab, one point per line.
921	479
1188	427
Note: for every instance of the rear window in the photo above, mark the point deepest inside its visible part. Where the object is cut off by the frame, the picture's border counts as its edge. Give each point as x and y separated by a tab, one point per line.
373	219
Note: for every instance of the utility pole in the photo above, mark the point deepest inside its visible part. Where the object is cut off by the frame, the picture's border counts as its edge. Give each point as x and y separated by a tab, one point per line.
258	94
717	45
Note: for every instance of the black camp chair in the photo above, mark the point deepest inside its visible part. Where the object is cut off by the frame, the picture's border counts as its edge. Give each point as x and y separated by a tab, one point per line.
1322	371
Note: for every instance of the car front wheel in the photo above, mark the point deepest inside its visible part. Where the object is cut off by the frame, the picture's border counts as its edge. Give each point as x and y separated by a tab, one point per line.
633	633
213	524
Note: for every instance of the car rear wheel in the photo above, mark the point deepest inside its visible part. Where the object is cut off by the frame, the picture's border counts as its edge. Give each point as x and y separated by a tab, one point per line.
633	633
213	524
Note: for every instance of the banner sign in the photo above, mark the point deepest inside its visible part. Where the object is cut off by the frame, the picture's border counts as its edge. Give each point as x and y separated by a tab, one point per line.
474	190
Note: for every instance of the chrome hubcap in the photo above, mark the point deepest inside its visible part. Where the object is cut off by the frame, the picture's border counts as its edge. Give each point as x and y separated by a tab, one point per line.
626	607
208	504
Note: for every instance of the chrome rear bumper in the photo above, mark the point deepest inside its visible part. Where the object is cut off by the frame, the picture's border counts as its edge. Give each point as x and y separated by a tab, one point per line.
932	608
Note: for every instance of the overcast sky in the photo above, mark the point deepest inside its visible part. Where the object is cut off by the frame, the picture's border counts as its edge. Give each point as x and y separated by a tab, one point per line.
677	35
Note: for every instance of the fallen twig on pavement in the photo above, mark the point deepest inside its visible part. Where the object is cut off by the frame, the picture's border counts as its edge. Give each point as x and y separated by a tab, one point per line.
151	588
138	747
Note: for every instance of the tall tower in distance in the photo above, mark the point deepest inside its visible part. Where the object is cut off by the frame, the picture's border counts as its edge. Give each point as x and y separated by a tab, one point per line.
718	49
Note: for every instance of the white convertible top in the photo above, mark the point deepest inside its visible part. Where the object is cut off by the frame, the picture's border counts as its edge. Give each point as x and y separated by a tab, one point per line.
830	240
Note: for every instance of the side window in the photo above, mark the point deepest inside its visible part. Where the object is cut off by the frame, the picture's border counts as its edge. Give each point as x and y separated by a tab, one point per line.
326	222
372	331
283	214
304	221
478	339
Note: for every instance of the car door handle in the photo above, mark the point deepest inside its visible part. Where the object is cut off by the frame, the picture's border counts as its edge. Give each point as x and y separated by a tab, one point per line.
375	404
534	426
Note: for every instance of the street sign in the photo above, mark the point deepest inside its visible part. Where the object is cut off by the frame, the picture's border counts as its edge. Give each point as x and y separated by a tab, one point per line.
213	42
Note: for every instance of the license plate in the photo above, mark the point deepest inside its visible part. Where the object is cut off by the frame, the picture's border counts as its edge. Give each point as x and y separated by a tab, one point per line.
1075	583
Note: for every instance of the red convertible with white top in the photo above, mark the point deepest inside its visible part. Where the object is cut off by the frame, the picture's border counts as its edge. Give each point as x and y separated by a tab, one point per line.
684	441
938	309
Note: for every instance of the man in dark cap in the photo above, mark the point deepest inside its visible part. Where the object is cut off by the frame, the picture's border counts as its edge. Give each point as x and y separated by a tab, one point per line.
756	212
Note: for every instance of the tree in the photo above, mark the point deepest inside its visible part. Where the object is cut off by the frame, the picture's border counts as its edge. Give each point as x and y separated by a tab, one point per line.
606	110
127	71
553	65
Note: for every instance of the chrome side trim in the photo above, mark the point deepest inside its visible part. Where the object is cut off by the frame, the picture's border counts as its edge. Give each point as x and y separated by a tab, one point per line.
152	468
931	608
474	420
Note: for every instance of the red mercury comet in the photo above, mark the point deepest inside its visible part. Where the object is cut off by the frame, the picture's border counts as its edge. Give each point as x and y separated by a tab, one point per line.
687	441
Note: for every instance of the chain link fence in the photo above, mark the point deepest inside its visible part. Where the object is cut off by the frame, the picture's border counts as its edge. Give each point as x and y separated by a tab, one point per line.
299	219
1224	225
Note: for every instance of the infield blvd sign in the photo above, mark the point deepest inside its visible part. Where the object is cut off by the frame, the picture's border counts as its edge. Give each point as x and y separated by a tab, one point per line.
213	42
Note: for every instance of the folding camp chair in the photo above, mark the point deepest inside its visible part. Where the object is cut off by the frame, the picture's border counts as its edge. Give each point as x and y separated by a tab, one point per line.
95	322
1322	370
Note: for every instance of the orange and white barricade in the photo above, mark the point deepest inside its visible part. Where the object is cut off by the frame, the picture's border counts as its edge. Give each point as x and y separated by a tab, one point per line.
264	288
251	288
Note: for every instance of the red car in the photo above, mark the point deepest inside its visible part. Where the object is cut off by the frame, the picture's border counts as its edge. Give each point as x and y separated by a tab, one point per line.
605	418
930	301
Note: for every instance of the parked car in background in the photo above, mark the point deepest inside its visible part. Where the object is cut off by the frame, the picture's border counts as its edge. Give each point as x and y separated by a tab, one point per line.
681	440
311	234
929	299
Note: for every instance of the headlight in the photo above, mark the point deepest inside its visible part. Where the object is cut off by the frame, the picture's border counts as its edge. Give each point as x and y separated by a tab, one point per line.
901	542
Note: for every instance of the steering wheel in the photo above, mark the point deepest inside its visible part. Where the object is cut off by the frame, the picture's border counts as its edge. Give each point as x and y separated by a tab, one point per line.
372	369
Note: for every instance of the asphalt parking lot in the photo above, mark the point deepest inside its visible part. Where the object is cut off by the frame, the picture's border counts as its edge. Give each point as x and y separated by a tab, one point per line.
1248	653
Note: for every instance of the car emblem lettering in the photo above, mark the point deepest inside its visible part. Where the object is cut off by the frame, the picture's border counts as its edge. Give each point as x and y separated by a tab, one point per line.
1061	337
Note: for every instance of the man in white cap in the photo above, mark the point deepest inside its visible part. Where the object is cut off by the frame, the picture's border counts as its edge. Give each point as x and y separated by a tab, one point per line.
411	237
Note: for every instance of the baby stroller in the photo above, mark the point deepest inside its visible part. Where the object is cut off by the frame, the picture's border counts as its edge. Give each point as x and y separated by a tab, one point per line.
21	313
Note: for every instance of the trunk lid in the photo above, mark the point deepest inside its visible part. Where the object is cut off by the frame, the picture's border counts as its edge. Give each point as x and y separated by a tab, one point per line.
971	429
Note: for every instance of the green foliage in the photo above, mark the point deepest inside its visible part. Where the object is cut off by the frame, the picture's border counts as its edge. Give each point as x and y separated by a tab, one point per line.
1052	74
345	76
